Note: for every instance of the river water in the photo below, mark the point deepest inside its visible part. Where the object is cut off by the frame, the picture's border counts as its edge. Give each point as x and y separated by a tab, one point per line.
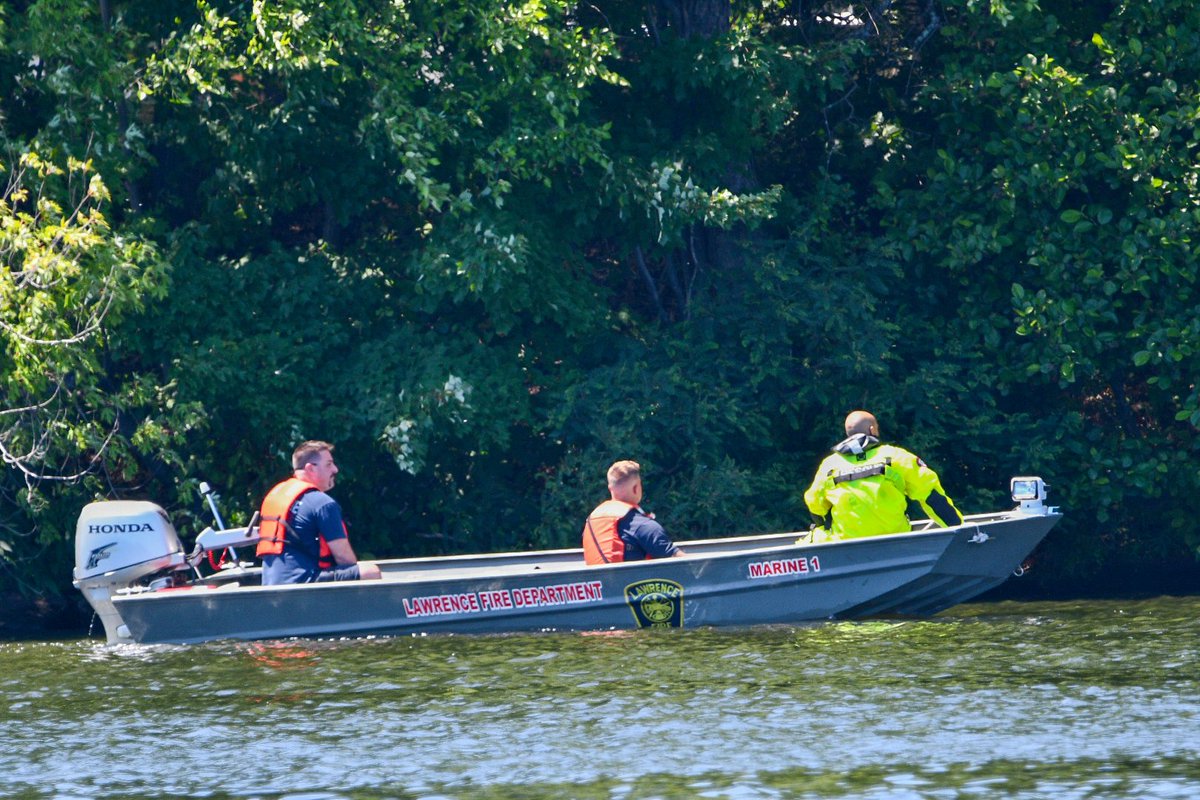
1056	700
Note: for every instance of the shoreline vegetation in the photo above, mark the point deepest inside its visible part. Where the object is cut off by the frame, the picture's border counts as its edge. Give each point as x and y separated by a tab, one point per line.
487	249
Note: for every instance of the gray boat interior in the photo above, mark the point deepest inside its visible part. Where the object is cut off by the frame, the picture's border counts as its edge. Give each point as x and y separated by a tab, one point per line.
493	565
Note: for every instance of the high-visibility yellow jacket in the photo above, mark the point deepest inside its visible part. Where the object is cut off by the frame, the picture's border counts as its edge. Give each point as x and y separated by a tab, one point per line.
863	488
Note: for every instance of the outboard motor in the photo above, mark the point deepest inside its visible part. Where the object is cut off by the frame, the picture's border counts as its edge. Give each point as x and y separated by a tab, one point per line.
120	544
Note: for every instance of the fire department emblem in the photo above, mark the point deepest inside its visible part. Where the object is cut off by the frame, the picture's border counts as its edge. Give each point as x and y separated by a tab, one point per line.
656	603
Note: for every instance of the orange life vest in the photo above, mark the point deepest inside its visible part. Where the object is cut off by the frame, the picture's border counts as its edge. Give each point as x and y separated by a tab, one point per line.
601	542
275	520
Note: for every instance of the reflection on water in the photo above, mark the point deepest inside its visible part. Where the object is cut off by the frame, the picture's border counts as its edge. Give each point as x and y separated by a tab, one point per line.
1019	700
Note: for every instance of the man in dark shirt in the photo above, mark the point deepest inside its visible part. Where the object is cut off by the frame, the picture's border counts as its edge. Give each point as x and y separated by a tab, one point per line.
303	536
618	529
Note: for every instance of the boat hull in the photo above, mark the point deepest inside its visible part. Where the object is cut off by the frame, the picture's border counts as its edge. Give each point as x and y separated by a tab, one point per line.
750	580
978	557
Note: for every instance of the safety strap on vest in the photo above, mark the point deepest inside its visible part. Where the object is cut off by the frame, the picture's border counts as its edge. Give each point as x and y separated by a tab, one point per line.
282	524
596	541
325	558
858	473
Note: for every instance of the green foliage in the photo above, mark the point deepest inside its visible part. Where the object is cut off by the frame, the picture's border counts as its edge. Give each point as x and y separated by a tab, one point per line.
1055	195
65	278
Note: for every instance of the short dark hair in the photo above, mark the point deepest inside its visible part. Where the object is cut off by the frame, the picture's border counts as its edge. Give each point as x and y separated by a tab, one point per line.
308	452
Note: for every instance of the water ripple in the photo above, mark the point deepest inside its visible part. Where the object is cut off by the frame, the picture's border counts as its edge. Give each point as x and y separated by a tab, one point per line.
1094	701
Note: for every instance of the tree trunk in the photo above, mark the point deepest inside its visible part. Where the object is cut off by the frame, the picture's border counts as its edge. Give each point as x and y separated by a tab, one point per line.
695	19
124	118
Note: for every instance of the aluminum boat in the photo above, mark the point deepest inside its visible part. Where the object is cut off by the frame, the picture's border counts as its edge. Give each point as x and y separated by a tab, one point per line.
132	567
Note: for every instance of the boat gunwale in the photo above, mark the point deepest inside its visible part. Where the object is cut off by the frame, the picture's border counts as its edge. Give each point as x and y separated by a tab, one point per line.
531	564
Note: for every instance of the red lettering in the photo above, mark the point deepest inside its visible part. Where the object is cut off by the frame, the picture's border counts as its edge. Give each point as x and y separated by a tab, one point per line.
466	603
551	595
787	566
495	599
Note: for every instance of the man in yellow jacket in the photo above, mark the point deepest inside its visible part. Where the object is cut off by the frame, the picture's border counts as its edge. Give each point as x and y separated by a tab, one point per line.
863	487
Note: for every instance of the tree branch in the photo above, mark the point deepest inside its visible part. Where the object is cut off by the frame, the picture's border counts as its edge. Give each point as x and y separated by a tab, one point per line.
649	279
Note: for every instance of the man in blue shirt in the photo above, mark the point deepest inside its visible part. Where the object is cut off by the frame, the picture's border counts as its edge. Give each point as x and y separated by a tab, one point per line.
303	536
618	529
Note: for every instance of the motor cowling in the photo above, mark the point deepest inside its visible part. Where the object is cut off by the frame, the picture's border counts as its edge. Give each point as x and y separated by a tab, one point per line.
117	544
122	541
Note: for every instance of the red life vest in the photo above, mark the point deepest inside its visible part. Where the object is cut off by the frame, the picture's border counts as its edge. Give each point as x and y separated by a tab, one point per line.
275	520
601	542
